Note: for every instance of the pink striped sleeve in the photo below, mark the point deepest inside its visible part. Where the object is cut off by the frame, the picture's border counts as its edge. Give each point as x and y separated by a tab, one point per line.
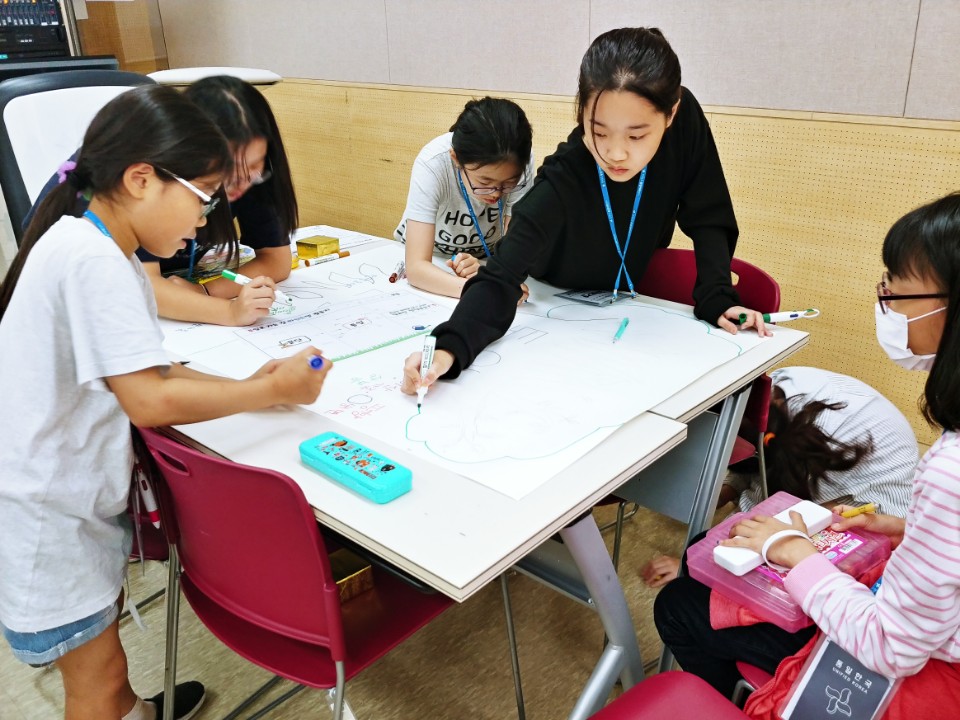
916	613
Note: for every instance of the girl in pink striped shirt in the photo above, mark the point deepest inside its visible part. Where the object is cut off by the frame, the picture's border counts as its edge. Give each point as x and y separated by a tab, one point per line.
911	626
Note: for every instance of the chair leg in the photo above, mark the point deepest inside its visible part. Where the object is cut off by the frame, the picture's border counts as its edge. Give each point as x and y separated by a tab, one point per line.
618	536
251	699
633	511
741	692
763	468
173	620
512	638
338	699
270	706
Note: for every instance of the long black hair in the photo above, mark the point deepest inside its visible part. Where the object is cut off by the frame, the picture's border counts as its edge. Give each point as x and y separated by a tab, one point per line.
799	453
149	124
925	244
243	115
638	60
491	131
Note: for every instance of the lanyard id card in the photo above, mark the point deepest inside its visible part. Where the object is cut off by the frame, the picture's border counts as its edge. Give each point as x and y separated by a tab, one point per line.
622	253
473	215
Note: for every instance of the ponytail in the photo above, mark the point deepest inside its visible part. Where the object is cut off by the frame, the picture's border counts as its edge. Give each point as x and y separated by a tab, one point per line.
150	124
799	454
60	201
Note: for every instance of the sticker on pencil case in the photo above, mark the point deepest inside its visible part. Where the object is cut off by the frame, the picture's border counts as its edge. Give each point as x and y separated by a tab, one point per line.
356	466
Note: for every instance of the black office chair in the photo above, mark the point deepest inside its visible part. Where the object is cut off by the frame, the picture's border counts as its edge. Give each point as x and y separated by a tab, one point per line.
42	122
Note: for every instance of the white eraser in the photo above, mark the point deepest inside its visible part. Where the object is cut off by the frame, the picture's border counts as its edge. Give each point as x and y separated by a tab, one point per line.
740	561
815	517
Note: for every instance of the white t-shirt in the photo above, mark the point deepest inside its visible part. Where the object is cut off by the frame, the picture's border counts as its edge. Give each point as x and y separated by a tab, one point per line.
435	199
81	311
884	476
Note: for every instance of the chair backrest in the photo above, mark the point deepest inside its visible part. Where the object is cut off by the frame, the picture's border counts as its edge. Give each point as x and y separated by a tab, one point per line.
42	122
248	540
672	273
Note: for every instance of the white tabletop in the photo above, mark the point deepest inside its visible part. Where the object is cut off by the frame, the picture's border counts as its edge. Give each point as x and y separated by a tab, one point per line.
450	532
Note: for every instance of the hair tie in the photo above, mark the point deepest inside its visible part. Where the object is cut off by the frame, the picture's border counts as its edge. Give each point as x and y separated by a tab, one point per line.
767	437
64	171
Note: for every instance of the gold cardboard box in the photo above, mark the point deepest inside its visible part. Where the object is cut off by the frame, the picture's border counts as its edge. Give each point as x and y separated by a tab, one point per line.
314	247
352	573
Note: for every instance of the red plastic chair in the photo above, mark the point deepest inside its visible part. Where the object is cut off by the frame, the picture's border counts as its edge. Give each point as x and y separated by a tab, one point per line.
255	571
673	695
752	678
671	275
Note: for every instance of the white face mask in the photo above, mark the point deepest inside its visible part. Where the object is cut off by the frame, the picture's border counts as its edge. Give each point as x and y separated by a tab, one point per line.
892	335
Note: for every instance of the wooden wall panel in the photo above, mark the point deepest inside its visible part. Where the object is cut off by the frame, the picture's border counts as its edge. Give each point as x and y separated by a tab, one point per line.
814	194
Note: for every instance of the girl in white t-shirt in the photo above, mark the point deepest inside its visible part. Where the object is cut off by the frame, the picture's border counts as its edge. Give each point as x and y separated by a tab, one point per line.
81	358
462	188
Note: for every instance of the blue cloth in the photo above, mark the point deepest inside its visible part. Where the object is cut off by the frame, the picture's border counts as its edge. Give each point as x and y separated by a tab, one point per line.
47	646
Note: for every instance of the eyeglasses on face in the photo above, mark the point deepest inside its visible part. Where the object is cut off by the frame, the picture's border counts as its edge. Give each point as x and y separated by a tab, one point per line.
884	295
252	178
505	189
207	203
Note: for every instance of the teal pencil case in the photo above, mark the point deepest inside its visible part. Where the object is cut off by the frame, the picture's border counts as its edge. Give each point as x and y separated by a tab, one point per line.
356	466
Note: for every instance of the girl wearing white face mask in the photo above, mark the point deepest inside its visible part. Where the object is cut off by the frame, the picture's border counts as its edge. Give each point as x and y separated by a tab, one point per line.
904	622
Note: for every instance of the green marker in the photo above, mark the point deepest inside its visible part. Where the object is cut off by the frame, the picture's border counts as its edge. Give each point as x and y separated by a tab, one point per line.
623	326
244	280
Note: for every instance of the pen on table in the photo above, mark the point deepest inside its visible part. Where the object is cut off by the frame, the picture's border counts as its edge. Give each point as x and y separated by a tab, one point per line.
326	258
426	360
244	280
316	362
623	326
397	272
853	512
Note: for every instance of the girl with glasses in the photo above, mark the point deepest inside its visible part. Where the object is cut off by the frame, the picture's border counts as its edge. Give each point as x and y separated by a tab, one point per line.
640	161
903	619
463	188
81	358
258	194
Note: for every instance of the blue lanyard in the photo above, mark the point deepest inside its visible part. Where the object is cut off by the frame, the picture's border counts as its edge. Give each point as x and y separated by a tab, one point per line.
98	223
613	228
473	215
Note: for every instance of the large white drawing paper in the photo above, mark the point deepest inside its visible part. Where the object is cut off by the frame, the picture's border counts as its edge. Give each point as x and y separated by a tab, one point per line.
344	308
530	405
537	400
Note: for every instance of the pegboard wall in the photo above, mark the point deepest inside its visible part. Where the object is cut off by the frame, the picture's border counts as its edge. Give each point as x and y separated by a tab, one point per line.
814	194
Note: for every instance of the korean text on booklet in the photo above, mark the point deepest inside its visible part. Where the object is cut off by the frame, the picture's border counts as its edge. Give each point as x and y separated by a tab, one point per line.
761	589
358	467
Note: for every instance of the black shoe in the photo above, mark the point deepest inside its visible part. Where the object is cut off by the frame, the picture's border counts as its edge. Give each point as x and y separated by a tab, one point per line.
187	699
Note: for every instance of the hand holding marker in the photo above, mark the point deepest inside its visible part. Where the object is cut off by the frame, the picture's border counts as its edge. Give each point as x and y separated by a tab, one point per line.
244	280
785	316
426	360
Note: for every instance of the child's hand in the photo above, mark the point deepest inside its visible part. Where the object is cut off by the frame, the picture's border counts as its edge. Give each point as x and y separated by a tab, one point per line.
753	532
659	571
442	361
464	265
295	380
524	294
728	321
253	302
889	525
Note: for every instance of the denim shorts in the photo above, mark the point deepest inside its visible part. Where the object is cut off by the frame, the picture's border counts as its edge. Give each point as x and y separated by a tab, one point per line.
44	647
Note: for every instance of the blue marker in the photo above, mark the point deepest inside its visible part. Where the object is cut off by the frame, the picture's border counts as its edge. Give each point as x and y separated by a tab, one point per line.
316	362
623	326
